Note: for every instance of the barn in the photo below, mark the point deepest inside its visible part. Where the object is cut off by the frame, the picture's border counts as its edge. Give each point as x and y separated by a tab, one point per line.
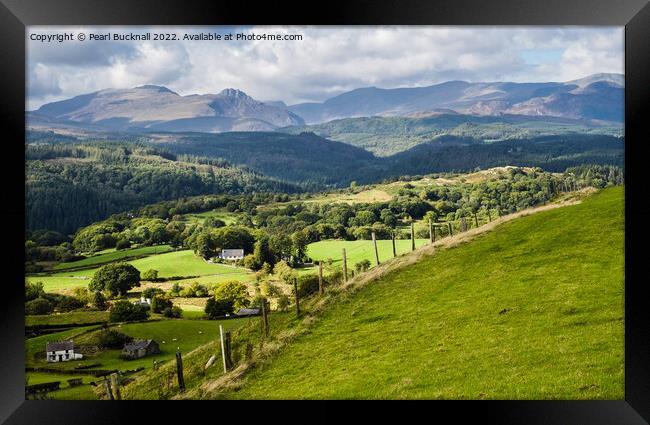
140	348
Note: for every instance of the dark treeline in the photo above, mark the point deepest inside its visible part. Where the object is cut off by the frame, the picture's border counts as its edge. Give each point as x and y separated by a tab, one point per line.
71	185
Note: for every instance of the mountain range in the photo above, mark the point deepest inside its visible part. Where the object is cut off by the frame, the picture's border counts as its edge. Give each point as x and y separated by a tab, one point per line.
595	98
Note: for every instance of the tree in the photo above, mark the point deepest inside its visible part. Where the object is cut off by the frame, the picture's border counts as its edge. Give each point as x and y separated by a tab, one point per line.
115	278
160	302
299	244
234	292
284	272
218	308
125	311
150	275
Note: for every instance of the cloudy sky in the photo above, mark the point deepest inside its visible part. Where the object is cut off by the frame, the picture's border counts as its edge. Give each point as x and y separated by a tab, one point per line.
326	62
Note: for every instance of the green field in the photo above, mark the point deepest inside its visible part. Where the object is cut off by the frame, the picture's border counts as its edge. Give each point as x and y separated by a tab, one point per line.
531	310
73	317
112	255
177	263
356	251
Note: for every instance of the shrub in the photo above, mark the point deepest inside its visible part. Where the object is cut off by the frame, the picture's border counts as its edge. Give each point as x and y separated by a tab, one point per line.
99	301
38	306
194	290
122	244
151	292
110	338
125	311
362	266
307	285
33	290
82	294
174	312
69	304
283	302
150	275
234	292
160	302
218	308
175	290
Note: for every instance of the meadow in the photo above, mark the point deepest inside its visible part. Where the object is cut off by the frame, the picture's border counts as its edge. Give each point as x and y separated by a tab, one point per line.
531	310
359	250
112	255
171	264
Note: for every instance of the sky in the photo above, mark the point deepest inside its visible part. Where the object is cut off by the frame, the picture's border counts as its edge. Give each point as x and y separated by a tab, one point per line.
327	61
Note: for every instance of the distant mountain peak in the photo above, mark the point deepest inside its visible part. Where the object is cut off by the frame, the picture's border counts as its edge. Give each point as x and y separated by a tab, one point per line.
234	93
153	87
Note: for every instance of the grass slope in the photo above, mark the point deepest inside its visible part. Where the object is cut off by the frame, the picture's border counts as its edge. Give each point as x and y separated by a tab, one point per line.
114	255
531	310
356	251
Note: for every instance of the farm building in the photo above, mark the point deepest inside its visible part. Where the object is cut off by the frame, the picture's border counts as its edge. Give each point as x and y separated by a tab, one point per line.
61	351
141	348
248	312
146	302
231	254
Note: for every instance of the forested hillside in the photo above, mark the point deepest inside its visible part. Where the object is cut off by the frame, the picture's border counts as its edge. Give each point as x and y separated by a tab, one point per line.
69	186
385	136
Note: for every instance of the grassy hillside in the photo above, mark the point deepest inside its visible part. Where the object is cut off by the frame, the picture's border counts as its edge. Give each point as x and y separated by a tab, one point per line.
533	309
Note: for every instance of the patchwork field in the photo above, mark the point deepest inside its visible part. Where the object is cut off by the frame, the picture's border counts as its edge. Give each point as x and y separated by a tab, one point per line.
531	310
178	263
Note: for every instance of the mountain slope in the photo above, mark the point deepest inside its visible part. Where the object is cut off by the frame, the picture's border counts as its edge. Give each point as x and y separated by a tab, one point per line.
597	97
385	136
533	309
158	108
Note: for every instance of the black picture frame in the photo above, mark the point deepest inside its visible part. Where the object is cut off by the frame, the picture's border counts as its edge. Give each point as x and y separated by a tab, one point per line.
15	15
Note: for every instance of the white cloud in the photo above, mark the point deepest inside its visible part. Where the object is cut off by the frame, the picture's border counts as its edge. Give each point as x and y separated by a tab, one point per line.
328	61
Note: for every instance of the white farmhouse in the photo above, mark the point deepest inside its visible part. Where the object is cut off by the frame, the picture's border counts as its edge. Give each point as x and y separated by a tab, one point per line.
62	351
231	254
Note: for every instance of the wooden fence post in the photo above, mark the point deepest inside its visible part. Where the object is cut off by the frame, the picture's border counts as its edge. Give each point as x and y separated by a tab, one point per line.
179	371
295	290
345	267
223	348
431	238
489	215
476	219
116	386
320	278
392	236
109	393
412	236
229	364
374	242
265	318
451	233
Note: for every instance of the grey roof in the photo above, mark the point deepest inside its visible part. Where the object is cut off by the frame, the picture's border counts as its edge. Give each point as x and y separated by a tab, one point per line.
248	311
232	252
59	346
136	345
